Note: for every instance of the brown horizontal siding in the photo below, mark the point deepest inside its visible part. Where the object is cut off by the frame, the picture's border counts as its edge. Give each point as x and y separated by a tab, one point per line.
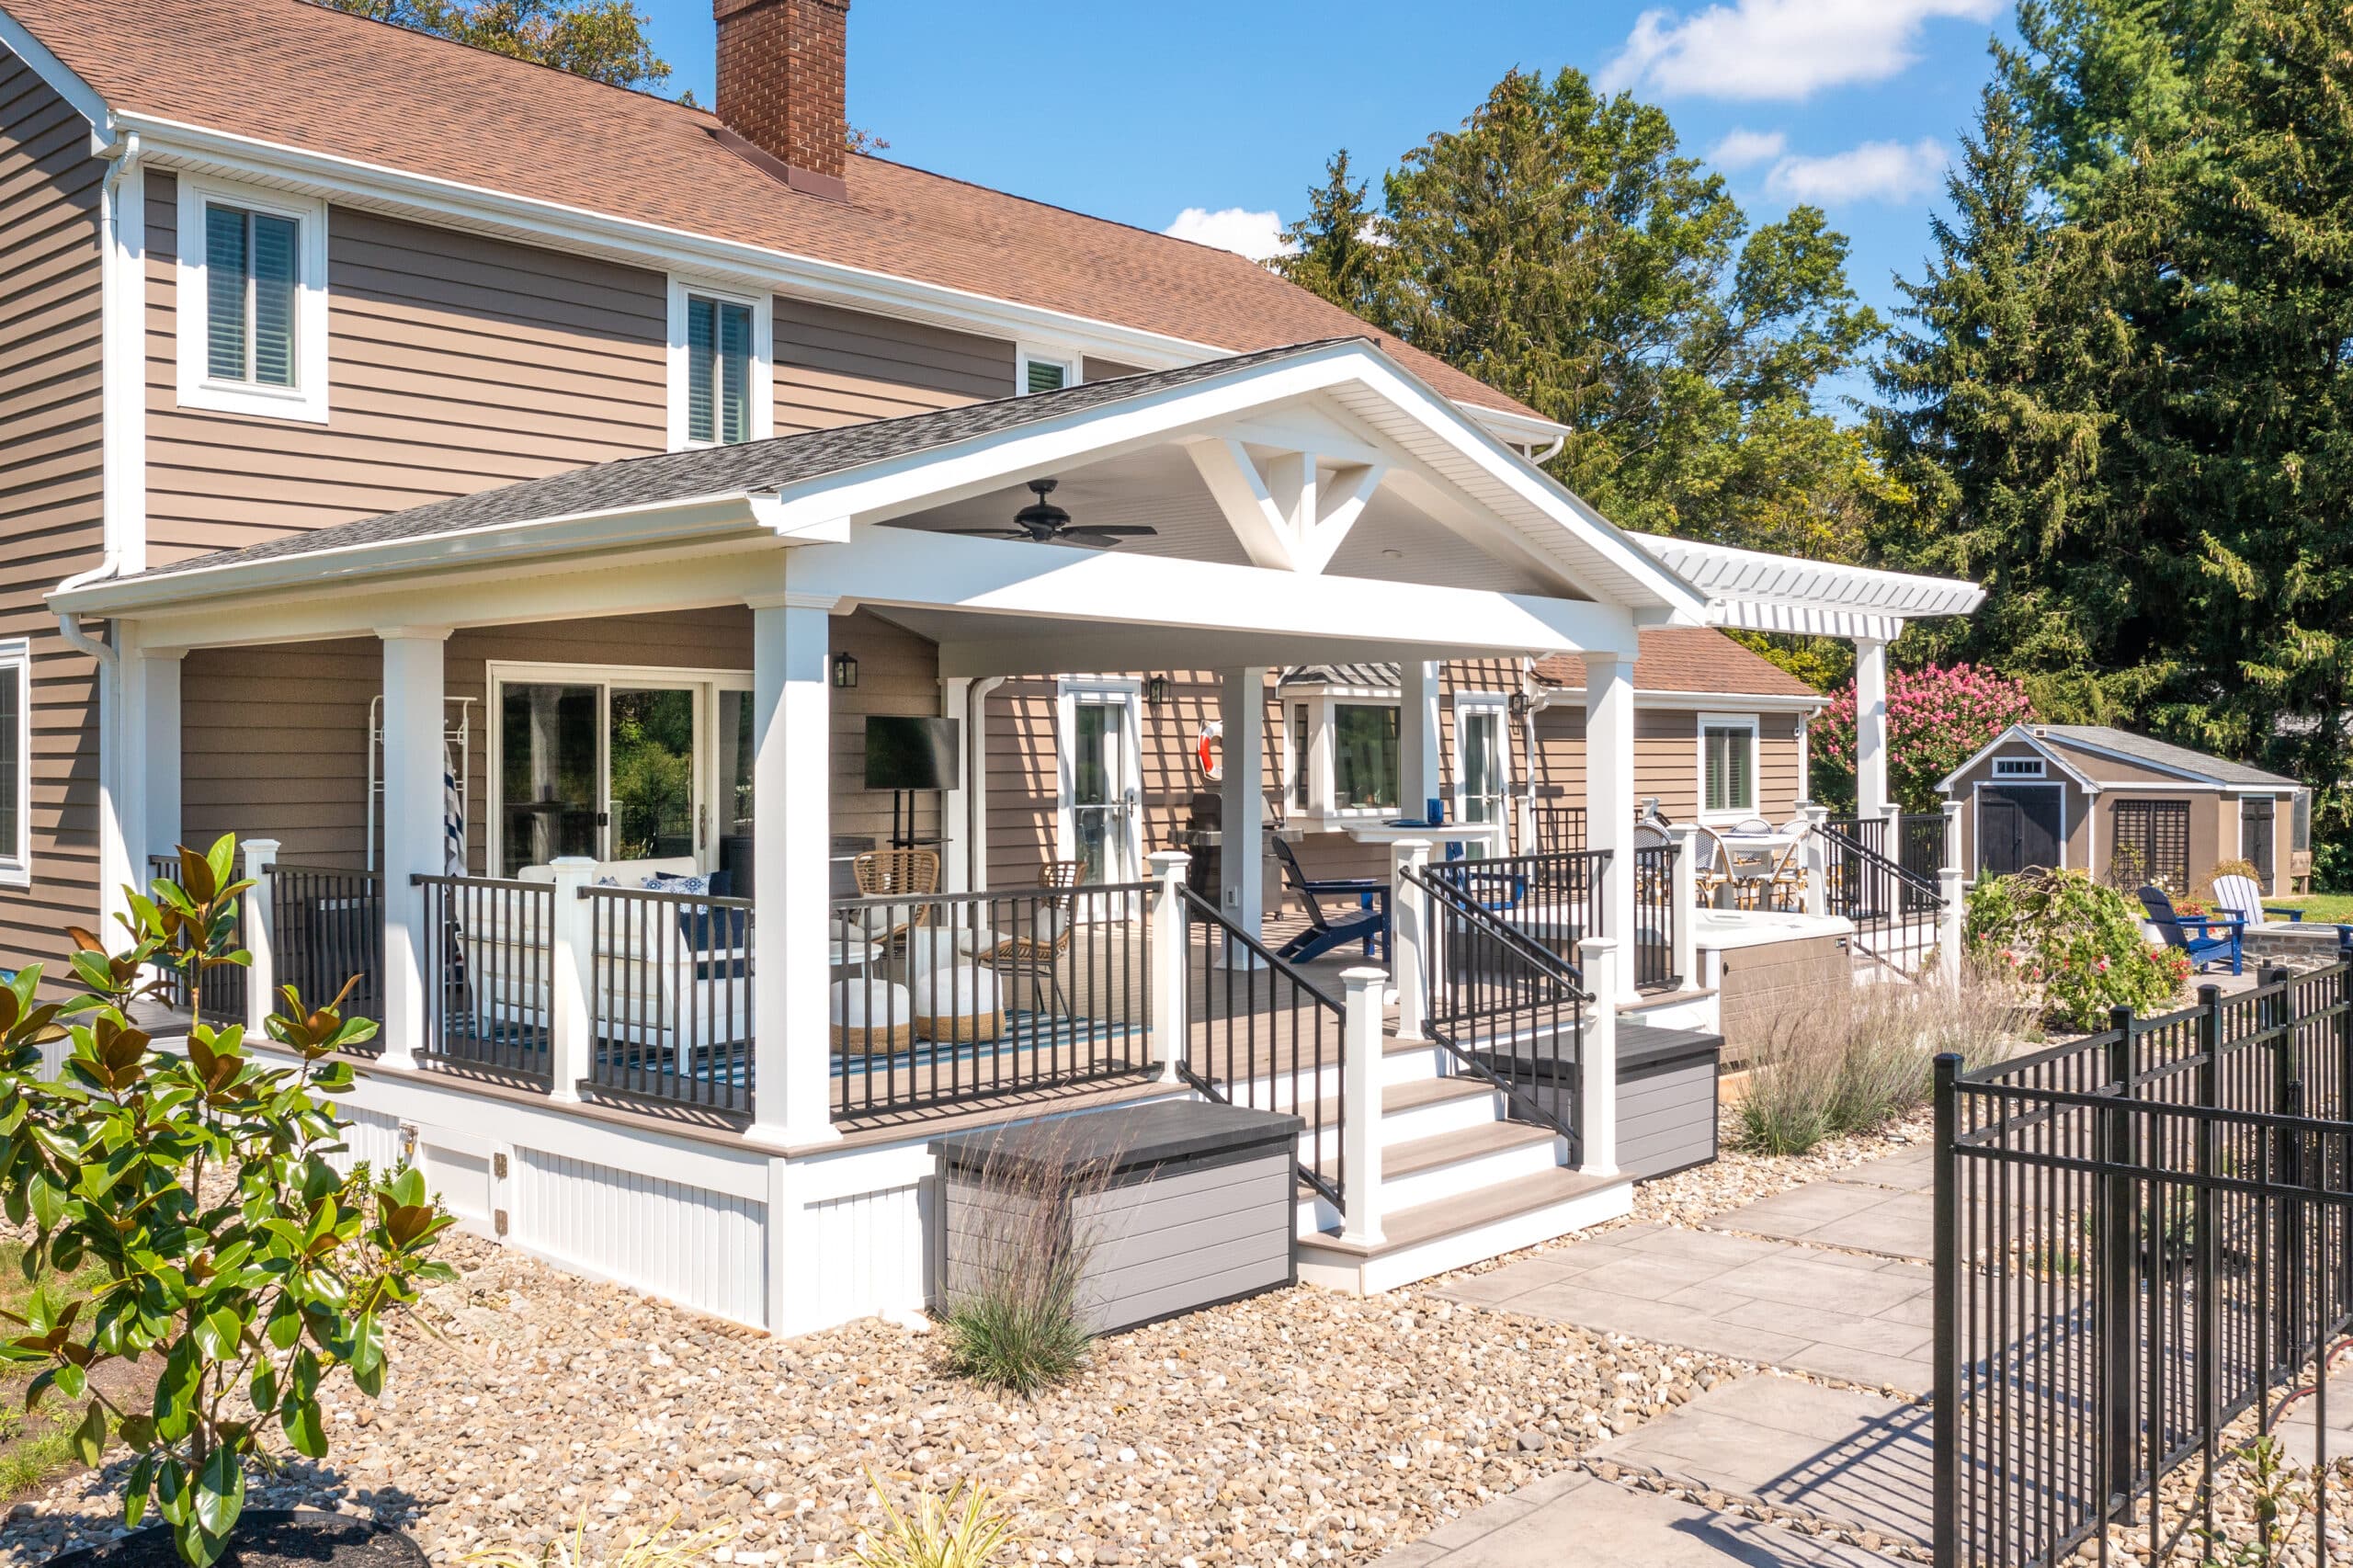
455	363
836	366
50	489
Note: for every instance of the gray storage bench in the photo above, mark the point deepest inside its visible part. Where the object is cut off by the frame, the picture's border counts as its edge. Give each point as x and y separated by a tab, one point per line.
1194	1203
1667	1093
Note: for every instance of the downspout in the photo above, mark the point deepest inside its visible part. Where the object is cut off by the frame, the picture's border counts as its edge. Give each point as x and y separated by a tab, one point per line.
113	393
976	783
1539	697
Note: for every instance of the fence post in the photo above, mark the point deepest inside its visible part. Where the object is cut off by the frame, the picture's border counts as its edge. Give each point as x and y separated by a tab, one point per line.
257	934
1171	1030
1597	1059
571	976
1817	859
1410	961
1685	908
1946	1409
1360	1107
2275	1017
2210	1098
1951	855
2118	1337
1949	925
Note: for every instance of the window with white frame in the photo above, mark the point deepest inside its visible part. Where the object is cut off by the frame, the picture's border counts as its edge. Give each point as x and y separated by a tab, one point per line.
1364	756
15	762
2018	767
251	302
1727	765
1302	756
1038	371
721	371
1343	750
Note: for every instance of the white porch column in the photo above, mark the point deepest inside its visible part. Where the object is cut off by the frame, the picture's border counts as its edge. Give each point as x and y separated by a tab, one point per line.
1871	727
1171	951
1687	902
955	805
413	662
158	755
1609	791
1419	771
791	803
1598	1060
1949	885
1360	1107
1409	938
1242	893
257	934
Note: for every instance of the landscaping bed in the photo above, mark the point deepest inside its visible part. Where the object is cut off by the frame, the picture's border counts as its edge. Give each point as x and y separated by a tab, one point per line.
1301	1425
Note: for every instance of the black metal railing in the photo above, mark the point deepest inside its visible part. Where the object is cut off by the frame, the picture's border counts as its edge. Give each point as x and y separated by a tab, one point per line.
327	928
942	998
1262	1034
1505	1002
1895	912
670	996
1920	843
1870	832
489	959
2142	1265
222	990
1651	949
1555	899
1560	830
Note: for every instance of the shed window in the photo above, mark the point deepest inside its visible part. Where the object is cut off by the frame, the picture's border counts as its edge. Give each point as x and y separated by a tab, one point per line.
2018	767
2151	845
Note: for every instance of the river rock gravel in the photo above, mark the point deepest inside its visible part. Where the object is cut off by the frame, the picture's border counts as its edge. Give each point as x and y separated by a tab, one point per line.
1298	1427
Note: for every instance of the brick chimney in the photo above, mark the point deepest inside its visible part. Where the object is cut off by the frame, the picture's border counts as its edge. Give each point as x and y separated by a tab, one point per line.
781	65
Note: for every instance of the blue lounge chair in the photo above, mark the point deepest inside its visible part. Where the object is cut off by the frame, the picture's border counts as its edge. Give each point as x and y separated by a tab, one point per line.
1367	923
2195	934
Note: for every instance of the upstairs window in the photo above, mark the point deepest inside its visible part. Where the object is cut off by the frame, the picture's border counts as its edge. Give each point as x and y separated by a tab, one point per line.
721	378
15	763
1727	766
718	371
252	279
1044	372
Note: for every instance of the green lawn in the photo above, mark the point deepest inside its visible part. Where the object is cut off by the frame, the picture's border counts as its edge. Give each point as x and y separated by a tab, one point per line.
2332	908
35	1447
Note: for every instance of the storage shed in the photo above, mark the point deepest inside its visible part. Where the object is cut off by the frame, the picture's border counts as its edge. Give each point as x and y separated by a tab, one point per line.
2078	796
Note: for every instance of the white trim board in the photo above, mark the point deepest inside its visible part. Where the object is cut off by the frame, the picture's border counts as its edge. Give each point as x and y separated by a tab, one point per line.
307	400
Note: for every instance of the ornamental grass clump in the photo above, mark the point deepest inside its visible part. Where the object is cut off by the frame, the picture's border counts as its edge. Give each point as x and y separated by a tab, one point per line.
197	1185
967	1526
2072	946
1015	1317
1856	1060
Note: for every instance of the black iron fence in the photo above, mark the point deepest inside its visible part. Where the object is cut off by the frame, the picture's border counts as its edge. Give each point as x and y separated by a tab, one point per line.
220	991
489	962
948	997
1896	912
326	929
670	996
1262	1034
1652	948
1504	1000
2143	1268
1920	843
1870	832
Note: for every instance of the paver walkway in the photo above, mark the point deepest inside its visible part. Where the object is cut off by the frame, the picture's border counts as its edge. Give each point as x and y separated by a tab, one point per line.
1887	1205
1836	1314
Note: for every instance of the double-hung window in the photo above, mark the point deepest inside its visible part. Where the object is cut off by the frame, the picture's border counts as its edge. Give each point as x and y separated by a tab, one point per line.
252	280
719	373
15	763
1727	765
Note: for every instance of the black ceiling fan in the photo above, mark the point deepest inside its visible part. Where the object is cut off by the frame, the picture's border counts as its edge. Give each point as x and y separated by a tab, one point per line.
1042	522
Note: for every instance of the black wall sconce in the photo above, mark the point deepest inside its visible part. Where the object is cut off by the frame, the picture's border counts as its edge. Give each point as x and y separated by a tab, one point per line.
1519	706
845	671
1155	691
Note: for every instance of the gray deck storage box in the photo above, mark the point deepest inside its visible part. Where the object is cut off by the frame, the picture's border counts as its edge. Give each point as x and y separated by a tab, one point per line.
1667	1093
1193	1204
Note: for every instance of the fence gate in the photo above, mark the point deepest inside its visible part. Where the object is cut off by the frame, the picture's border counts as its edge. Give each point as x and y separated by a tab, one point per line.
2143	1262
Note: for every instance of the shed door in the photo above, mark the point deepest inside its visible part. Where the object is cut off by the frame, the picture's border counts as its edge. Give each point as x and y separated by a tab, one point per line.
2254	836
2017	829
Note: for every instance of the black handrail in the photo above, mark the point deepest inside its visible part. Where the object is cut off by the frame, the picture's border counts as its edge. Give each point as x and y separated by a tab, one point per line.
1291	1042
1895	911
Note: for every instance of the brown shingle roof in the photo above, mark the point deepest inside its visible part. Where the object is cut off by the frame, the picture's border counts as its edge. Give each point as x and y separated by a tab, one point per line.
1689	658
327	82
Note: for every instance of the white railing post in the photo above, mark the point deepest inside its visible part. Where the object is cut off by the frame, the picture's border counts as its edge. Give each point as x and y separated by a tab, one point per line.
1597	1059
1948	883
1817	858
257	934
572	976
1171	952
1685	897
1360	1108
1953	838
1410	934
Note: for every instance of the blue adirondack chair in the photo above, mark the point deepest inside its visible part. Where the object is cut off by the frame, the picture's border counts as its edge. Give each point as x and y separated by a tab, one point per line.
2207	939
1367	923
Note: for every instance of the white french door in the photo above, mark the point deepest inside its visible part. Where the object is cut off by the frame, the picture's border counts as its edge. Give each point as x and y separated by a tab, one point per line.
1482	761
1101	783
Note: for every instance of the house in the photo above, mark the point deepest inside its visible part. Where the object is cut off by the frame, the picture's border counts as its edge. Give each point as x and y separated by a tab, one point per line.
489	493
2127	809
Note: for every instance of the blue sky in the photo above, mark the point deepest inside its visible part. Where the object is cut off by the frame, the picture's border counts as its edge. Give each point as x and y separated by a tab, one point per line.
1143	112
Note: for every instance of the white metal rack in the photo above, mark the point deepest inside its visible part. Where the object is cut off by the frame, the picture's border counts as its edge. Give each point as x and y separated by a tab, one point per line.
455	734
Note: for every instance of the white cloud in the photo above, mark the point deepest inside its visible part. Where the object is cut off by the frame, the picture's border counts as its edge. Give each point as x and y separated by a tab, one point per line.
1779	48
1255	234
1745	148
1875	171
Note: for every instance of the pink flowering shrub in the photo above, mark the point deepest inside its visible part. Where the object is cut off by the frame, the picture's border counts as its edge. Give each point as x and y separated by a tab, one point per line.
1937	718
2072	944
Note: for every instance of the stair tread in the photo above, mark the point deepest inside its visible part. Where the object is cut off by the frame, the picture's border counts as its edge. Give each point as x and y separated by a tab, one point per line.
1430	1222
1417	1154
1397	1098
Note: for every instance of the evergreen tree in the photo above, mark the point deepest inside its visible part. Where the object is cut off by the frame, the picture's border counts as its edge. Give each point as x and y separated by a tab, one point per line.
1339	253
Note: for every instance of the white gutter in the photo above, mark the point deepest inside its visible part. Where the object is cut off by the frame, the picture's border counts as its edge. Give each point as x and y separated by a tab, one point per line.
121	432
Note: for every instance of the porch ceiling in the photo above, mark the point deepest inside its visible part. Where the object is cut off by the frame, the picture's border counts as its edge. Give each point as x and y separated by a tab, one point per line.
979	645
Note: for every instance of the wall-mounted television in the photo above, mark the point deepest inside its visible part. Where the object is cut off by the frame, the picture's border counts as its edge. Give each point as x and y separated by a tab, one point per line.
912	754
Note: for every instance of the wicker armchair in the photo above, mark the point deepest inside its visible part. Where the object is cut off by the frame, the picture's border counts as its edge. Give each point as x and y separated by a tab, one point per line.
1038	954
906	874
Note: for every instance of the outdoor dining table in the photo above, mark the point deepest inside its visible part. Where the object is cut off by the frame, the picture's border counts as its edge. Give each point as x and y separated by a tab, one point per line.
1491	837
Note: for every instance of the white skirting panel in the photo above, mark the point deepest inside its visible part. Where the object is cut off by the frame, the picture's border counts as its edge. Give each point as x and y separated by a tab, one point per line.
702	1249
371	1136
860	1255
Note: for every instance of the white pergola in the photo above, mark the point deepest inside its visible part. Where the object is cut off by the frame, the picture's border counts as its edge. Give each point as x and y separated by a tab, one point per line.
1752	591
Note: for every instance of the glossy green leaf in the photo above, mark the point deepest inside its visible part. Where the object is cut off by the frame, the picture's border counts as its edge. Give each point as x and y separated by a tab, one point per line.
219	1492
90	1437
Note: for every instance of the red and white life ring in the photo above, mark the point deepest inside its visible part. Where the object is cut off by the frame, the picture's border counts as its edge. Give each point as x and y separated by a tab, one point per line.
1209	749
